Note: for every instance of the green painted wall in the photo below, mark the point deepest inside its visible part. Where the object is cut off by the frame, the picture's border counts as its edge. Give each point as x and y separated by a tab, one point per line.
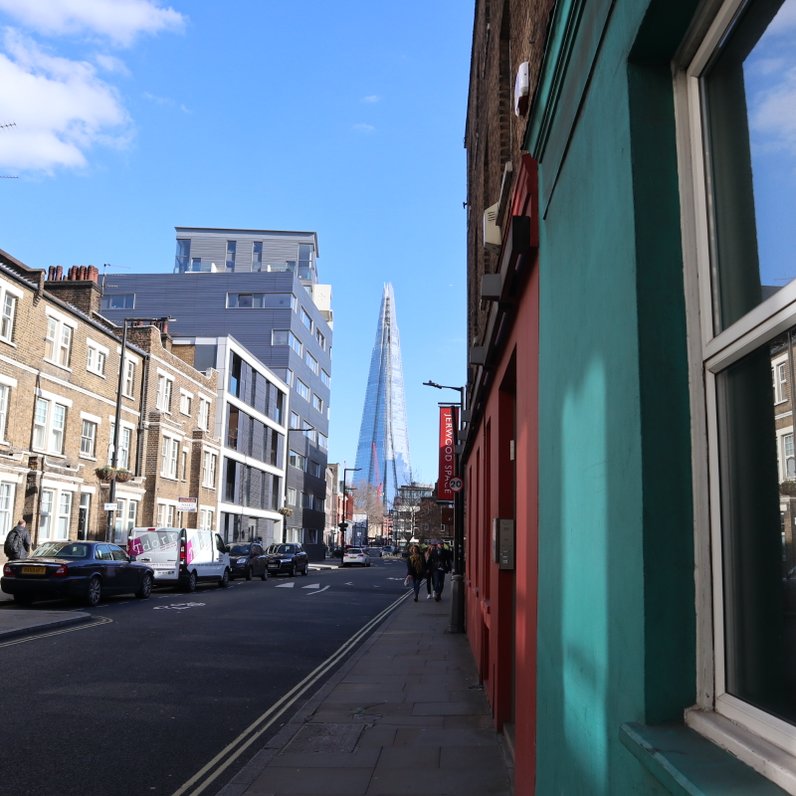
616	601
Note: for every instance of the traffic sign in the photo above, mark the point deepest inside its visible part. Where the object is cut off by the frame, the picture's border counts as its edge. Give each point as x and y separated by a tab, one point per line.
455	484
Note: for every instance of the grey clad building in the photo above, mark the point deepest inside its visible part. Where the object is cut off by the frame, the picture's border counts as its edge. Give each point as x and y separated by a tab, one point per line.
260	287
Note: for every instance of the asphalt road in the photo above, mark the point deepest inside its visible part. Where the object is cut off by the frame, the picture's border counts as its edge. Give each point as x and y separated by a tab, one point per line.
170	688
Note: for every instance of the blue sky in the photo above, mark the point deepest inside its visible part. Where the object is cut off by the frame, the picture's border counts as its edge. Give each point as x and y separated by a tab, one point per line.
131	117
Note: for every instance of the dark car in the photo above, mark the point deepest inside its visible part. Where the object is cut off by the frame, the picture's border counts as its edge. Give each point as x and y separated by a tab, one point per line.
287	558
82	570
246	560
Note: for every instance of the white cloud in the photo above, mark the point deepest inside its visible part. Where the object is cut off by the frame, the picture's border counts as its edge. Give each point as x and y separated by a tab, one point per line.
361	127
121	21
774	115
371	99
61	108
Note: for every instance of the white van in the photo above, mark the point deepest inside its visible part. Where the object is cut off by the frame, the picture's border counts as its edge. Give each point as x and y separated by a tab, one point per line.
181	556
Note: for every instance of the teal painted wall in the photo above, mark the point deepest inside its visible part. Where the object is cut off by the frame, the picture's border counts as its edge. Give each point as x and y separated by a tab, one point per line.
616	601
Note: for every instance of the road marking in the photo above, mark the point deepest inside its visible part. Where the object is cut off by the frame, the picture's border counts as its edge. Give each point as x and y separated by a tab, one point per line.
289	585
226	757
177	606
313	586
317	592
99	620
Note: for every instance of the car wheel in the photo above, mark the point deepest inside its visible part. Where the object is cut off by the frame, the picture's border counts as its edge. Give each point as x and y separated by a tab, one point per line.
264	576
145	589
23	599
292	571
190	584
224	581
94	593
248	573
306	570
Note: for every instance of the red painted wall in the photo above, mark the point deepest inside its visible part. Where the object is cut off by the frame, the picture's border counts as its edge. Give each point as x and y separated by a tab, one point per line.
501	605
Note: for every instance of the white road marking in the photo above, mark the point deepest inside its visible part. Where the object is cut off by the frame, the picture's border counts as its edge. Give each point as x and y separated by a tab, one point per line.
317	592
289	585
313	586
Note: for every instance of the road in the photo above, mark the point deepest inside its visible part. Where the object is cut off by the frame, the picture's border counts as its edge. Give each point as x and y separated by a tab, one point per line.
157	694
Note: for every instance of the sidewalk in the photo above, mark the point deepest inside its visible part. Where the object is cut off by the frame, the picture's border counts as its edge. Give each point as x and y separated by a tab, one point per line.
404	715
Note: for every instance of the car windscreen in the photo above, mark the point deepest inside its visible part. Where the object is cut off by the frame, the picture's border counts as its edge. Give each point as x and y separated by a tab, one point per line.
61	550
281	548
239	550
354	551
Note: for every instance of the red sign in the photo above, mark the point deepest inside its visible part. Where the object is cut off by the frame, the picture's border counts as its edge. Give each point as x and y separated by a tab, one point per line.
448	424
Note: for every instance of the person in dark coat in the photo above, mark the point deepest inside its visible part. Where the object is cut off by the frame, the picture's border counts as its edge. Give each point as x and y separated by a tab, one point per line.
18	542
439	562
415	568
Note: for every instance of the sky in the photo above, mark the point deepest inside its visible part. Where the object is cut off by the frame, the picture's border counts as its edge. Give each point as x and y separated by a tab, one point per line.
122	119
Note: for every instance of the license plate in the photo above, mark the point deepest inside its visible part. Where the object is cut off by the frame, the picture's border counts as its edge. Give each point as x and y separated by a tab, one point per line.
33	570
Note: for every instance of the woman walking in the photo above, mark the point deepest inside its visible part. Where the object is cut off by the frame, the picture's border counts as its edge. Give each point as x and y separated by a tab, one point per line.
415	568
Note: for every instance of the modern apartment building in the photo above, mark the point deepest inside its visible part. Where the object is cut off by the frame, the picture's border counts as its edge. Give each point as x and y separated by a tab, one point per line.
250	423
260	287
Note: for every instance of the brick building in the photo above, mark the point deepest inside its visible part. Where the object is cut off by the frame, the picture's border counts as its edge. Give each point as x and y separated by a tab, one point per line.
59	382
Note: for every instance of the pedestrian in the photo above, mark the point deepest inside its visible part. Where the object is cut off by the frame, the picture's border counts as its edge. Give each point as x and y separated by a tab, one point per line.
429	578
17	543
439	562
415	568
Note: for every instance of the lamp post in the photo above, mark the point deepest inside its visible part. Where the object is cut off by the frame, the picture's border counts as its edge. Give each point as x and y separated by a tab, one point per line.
117	421
344	523
457	578
290	431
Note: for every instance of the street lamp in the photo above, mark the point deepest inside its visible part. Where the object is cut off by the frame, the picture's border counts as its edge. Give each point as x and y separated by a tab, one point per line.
118	415
284	514
457	578
344	524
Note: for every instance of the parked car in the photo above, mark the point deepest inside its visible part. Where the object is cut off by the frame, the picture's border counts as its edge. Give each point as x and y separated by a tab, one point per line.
355	556
181	556
82	570
288	558
374	552
247	560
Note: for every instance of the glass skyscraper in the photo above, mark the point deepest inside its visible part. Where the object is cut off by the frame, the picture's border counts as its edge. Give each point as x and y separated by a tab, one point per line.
383	448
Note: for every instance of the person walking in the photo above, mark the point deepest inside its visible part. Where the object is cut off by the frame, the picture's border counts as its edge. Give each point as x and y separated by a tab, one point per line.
415	568
439	562
17	543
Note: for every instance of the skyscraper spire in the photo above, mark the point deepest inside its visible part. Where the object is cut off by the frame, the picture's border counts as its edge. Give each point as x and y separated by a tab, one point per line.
383	448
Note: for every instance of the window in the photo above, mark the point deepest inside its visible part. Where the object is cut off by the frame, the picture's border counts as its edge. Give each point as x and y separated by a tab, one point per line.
8	308
128	384
296	460
311	362
306	319
206	519
96	358
168	462
186	401
54	518
295	420
787	457
257	255
58	342
232	247
166	514
88	438
183	465
7	521
319	336
183	256
302	389
323	441
209	463
204	413
779	375
295	343
5	392
125	438
325	378
121	301
163	398
739	165
292	496
245	300
49	424
317	403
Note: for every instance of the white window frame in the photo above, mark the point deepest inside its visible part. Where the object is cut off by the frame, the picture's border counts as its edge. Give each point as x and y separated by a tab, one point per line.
56	514
204	413
96	358
209	467
164	392
9	301
8	491
5	403
186	401
125	443
169	457
49	430
88	437
128	381
759	739
59	338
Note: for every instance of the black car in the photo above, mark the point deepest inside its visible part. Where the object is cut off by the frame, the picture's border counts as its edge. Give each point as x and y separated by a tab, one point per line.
246	560
288	558
82	570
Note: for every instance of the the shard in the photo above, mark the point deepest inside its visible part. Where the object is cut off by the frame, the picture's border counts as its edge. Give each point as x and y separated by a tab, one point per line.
383	448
